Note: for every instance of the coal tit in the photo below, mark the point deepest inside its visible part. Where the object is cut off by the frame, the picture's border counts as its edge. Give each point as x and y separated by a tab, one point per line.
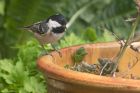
49	30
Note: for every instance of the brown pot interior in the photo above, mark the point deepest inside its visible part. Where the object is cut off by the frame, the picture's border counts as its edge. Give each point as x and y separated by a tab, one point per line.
104	50
61	80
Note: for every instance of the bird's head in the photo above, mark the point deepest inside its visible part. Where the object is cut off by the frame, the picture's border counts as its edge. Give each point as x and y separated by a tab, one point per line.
57	20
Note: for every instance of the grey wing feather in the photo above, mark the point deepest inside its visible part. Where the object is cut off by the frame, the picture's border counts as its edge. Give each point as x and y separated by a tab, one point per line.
39	27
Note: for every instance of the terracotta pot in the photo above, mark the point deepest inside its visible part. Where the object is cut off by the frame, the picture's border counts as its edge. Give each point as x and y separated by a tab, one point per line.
61	80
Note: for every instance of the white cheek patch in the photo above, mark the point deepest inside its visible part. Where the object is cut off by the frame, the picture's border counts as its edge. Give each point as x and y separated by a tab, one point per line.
53	24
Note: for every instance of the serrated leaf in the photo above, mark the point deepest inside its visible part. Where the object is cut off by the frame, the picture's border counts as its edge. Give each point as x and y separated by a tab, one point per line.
8	78
90	34
78	55
34	86
5	91
2	5
22	90
19	74
6	65
71	39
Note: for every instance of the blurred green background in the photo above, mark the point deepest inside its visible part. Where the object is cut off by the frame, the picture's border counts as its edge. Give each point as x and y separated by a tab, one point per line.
106	14
94	21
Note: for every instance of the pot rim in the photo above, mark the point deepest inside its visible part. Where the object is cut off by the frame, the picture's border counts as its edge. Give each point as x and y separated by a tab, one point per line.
59	73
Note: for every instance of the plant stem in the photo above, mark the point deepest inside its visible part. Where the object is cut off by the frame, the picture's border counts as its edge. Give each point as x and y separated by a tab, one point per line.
103	68
123	49
78	13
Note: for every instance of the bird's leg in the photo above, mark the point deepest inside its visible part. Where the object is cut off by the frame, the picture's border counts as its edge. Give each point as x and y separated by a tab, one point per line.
53	46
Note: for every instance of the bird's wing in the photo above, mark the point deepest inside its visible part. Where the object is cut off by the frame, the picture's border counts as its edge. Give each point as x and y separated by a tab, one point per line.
39	27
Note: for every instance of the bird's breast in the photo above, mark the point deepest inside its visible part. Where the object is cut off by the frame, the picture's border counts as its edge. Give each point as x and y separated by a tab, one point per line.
48	37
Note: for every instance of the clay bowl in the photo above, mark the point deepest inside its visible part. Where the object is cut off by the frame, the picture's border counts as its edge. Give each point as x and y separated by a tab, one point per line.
61	80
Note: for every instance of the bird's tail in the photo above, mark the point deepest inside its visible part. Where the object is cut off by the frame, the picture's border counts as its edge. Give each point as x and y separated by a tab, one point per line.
26	28
32	28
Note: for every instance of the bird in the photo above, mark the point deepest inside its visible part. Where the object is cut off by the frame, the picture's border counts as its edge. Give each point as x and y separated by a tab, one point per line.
49	31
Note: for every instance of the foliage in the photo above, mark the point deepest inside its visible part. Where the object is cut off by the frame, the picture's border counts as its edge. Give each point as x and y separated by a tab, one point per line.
78	56
15	14
21	75
71	39
18	71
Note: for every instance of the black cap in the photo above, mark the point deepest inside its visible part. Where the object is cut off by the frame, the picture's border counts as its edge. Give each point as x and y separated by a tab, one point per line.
58	18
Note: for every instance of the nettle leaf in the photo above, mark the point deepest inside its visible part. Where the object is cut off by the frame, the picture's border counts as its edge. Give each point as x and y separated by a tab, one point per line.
71	39
28	49
22	90
19	74
2	5
90	34
5	91
6	68
106	37
79	55
34	86
6	65
29	52
8	78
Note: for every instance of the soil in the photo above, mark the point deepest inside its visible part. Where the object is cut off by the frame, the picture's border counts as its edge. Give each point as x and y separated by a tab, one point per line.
103	67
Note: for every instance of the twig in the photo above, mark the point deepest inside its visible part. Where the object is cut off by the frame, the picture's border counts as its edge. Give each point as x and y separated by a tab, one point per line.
123	49
125	73
134	63
103	68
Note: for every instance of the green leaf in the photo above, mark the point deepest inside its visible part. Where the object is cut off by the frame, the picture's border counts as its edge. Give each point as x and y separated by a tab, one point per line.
6	65
71	39
8	78
34	86
19	74
29	52
78	55
90	34
5	91
106	37
2	5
